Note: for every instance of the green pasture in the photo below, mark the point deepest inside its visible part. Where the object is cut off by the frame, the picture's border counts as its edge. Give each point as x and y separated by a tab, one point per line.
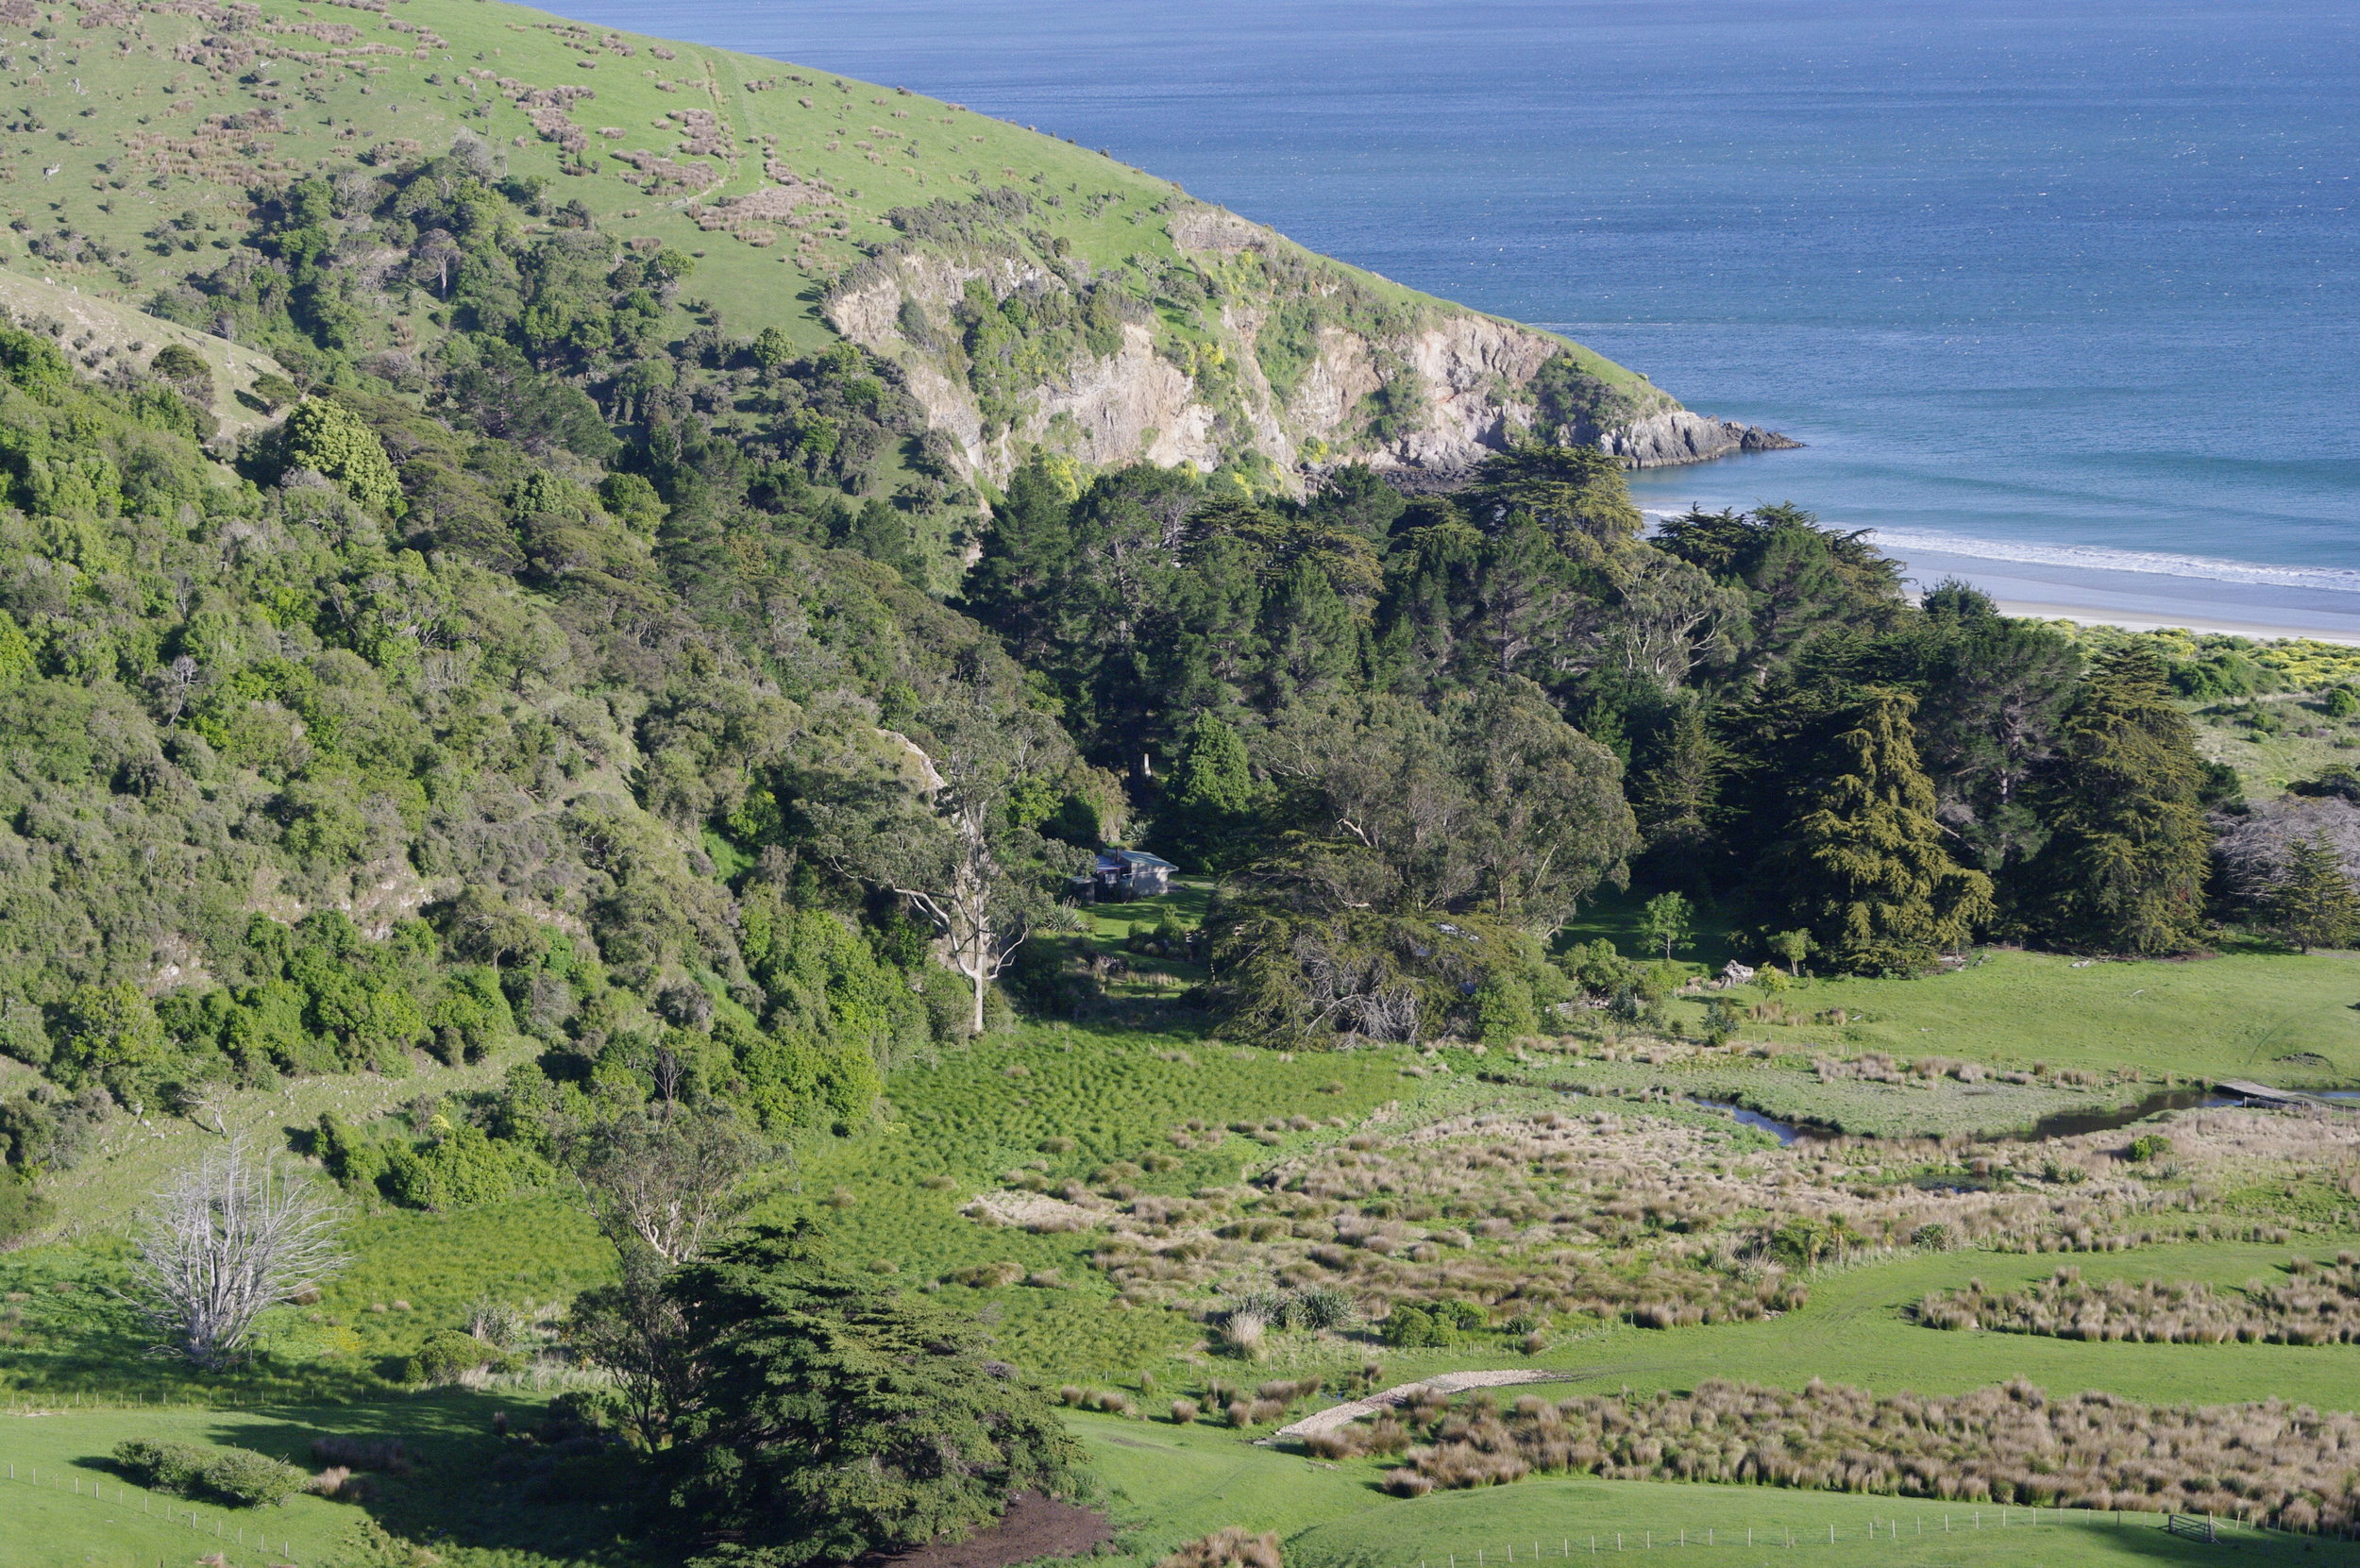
2282	1017
64	1503
2291	1020
1855	1330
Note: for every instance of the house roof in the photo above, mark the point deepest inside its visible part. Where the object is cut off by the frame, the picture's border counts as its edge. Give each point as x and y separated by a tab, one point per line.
1137	860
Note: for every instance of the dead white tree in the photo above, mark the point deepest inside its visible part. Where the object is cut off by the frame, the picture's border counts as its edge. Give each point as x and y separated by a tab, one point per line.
231	1234
946	847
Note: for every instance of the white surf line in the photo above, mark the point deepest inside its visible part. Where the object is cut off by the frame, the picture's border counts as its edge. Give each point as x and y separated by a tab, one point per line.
1449	1382
2100	558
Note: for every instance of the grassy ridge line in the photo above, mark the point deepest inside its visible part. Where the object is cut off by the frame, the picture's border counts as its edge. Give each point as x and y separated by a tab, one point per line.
162	129
105	328
1021	151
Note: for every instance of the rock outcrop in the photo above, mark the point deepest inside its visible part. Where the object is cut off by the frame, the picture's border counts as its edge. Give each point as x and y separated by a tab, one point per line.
1677	436
1255	353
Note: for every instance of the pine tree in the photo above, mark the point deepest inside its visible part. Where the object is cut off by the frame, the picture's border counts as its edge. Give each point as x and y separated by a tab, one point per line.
1866	868
835	1418
1211	797
1680	783
2313	905
1017	580
2124	870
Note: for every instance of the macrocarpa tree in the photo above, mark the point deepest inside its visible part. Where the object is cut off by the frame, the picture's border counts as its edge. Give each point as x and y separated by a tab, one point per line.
2313	905
1867	866
835	1418
2125	867
231	1236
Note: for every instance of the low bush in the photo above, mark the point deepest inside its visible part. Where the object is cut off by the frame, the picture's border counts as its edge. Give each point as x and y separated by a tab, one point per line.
237	1478
446	1355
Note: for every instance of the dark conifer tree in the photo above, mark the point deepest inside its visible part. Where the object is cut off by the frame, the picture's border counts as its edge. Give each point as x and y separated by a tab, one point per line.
1866	869
2313	905
1211	798
2124	870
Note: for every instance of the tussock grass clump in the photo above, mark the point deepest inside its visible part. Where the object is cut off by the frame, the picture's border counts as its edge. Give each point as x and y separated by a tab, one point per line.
1664	1220
2315	1307
1230	1547
1105	1401
2268	1463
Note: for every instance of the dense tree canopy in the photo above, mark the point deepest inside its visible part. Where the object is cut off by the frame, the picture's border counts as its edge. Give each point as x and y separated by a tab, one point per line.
584	673
833	1418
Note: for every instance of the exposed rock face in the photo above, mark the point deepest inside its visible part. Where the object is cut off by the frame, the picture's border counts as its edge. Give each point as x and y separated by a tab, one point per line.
1677	436
1306	366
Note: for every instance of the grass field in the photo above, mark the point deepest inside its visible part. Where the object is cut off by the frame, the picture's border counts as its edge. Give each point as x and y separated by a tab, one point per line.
80	1509
1116	1101
2251	1011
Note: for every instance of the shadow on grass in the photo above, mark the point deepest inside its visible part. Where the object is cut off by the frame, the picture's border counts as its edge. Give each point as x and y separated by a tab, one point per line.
467	1485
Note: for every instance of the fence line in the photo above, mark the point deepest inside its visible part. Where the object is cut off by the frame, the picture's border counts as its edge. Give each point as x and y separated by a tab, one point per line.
222	1533
1894	1527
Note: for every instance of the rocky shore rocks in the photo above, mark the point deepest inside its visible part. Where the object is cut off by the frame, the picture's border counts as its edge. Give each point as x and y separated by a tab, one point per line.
1668	439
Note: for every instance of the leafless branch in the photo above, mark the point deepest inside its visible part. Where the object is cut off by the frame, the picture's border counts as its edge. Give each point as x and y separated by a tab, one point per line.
231	1234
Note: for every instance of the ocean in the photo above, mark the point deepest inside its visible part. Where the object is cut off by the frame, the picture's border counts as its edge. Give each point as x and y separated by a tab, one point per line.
2062	296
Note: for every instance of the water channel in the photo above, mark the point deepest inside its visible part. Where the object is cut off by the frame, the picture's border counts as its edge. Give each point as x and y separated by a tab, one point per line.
2059	1124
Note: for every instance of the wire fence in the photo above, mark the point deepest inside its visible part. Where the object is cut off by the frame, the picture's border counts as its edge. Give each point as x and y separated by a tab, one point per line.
1896	1528
224	1530
536	1378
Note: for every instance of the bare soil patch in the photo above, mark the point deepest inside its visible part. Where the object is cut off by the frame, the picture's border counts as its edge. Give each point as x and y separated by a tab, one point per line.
1034	1528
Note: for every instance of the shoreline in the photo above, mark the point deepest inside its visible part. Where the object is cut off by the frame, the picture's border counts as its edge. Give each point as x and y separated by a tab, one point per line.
2084	614
2143	601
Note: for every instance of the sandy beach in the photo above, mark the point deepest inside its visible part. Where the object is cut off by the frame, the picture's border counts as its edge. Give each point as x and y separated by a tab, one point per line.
2144	600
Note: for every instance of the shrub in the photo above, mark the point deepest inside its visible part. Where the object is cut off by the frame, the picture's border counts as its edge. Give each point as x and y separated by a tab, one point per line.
173	1467
2146	1148
238	1477
445	1357
244	1478
1323	1306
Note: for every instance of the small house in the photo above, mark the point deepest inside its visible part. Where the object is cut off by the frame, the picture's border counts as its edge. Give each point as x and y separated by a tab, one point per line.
1122	874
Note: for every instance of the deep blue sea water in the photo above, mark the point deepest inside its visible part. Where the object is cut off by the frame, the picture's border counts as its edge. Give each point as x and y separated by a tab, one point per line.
2038	281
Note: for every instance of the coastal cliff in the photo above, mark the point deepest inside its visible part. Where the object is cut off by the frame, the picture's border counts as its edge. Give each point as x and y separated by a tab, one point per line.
1028	293
1249	352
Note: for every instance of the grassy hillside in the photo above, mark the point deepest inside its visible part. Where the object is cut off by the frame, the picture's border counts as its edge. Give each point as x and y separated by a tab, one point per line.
814	204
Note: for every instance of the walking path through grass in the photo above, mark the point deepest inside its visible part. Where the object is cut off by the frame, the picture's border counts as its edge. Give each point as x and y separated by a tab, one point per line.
1399	1394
